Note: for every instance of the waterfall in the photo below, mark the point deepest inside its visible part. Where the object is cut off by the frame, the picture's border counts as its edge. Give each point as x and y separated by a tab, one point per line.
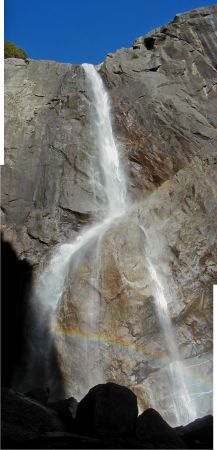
114	180
52	282
183	406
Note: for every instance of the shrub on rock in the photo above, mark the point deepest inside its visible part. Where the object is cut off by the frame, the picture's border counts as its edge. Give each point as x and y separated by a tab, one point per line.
12	51
108	410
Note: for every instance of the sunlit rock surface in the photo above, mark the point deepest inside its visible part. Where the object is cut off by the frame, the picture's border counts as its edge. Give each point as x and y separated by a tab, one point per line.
163	93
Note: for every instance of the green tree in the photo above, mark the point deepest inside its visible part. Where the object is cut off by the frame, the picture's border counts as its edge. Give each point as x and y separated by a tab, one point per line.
12	51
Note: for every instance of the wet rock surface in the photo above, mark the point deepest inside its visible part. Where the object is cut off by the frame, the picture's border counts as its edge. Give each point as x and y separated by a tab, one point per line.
163	93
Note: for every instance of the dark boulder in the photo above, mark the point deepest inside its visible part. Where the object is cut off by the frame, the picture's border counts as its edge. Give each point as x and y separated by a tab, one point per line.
40	395
24	418
66	410
108	410
198	434
151	427
67	440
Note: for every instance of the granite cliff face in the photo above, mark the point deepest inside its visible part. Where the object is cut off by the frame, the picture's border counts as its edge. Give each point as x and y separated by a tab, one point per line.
163	91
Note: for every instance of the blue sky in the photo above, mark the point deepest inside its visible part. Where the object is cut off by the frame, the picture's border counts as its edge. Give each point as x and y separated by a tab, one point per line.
78	31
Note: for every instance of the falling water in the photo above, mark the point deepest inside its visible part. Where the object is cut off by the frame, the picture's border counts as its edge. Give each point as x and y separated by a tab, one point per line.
114	180
183	405
51	283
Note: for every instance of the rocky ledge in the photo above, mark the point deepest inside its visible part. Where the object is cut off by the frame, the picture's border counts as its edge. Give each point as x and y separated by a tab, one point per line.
107	417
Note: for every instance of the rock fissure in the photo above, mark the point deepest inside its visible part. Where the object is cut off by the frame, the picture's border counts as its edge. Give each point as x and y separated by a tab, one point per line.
36	238
60	151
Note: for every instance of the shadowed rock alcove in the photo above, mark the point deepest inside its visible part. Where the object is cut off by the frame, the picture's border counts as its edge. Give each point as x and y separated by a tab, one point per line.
16	278
16	281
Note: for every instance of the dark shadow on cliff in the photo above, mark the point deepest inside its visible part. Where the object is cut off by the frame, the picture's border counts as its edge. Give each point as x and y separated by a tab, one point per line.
16	279
16	283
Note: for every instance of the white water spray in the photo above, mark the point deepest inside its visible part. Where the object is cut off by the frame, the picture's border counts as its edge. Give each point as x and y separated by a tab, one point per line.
183	405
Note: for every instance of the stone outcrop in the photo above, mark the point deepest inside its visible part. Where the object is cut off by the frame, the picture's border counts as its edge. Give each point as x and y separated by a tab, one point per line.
66	410
198	434
163	92
28	424
151	427
108	410
26	419
40	395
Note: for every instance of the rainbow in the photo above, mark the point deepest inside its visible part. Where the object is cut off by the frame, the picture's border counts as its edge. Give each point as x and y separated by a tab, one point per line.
131	348
118	344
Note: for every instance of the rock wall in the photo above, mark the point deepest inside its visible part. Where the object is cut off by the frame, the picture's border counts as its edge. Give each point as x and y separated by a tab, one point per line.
163	92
